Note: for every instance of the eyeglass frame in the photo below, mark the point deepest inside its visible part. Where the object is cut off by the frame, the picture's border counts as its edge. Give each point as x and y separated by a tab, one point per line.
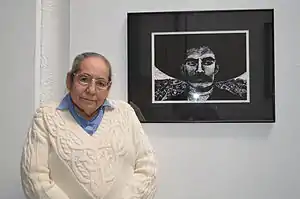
91	80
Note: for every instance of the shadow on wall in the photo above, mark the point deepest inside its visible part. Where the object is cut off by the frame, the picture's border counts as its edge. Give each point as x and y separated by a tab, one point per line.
137	111
236	131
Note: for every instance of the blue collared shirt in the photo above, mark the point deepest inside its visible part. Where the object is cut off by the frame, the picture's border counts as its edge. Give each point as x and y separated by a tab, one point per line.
90	126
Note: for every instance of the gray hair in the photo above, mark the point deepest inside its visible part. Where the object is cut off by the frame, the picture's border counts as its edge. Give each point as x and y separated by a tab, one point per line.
79	58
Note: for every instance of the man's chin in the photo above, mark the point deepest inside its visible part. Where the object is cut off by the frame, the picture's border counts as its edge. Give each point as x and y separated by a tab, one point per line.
90	111
89	108
201	85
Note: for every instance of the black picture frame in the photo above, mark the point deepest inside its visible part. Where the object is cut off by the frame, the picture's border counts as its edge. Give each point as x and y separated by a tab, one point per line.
176	57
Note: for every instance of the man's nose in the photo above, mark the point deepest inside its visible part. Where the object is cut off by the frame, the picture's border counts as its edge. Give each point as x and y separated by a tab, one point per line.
199	67
92	87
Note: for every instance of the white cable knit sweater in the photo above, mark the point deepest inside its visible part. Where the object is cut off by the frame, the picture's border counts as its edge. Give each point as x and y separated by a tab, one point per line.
61	161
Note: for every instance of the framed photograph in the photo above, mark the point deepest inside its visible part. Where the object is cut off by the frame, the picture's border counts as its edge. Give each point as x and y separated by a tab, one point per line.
201	66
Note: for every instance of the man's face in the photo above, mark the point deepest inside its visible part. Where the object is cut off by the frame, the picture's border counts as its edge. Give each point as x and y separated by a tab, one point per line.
88	96
199	67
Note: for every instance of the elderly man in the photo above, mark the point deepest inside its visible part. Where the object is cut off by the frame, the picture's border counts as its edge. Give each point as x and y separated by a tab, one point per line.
88	146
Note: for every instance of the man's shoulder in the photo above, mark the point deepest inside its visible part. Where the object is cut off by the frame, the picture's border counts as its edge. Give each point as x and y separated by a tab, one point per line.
223	94
128	108
119	104
47	108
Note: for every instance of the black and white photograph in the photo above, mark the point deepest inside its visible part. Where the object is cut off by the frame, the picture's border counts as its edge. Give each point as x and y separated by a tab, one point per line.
201	66
198	67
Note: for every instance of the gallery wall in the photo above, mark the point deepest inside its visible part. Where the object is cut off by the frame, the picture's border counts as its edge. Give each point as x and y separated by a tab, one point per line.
34	51
217	161
17	43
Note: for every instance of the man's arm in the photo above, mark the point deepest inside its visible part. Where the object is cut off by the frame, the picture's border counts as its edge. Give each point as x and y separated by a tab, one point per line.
35	178
143	183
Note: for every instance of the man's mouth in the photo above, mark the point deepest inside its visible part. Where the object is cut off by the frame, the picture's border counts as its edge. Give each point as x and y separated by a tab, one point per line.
87	99
200	79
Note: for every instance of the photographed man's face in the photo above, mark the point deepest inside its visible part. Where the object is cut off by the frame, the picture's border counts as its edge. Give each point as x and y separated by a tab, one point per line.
199	67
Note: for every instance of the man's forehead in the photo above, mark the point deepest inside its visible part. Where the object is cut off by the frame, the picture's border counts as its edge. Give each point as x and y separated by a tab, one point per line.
94	71
200	52
201	56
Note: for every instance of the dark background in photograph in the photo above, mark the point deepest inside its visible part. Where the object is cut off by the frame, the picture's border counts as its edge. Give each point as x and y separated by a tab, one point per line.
229	49
262	92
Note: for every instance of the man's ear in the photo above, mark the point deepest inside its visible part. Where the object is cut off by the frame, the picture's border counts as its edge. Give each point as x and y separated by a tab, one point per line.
182	68
69	81
216	69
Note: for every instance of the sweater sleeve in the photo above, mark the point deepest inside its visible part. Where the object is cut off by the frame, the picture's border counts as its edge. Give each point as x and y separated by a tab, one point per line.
36	182
143	183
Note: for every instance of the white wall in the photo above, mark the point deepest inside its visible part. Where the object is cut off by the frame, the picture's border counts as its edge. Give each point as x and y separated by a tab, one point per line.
17	42
216	161
34	52
53	39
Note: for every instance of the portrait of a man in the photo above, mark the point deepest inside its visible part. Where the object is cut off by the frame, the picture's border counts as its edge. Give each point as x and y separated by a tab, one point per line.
201	66
195	77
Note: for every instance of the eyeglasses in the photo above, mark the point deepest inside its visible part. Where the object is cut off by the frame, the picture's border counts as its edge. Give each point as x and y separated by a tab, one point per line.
86	80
